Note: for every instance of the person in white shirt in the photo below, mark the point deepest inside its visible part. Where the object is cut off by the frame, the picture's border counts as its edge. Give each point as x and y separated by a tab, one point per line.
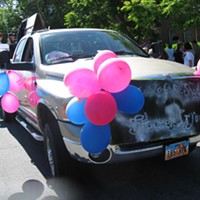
170	52
188	55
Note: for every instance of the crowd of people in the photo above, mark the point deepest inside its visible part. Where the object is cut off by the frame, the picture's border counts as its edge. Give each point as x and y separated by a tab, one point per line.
187	53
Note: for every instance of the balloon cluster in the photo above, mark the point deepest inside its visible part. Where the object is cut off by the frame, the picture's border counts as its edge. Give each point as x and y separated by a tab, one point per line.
98	95
11	83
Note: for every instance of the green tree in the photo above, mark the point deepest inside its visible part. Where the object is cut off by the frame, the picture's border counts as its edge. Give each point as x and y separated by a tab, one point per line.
135	18
143	16
97	14
182	14
90	13
10	19
52	11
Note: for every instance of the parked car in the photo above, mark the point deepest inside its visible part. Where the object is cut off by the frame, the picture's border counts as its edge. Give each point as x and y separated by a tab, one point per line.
167	125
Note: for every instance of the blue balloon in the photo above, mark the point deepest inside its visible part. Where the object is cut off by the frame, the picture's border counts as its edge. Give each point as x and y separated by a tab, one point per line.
95	139
4	83
130	100
75	111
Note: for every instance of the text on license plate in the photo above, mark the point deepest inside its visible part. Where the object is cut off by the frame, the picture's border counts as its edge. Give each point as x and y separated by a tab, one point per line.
176	150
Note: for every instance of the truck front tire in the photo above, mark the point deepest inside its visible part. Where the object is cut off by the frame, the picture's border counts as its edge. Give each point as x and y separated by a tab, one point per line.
60	162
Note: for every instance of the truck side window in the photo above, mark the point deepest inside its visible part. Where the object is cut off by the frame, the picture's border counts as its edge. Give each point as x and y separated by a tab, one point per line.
28	51
19	50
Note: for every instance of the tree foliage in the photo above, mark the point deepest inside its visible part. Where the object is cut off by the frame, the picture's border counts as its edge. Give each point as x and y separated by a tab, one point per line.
53	11
143	17
10	19
98	14
136	18
182	14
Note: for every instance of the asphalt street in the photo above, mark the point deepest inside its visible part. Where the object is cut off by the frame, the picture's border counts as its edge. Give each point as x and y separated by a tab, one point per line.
19	176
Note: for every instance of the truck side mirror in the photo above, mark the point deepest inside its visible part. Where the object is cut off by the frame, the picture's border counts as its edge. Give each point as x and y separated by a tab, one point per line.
5	63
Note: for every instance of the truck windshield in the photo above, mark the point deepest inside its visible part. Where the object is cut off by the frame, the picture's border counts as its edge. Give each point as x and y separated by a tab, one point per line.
68	46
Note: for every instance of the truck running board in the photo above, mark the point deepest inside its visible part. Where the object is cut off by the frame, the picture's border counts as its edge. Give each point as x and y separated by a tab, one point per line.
30	129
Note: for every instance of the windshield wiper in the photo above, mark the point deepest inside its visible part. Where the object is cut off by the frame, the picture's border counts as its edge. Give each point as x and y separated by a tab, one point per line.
124	53
77	56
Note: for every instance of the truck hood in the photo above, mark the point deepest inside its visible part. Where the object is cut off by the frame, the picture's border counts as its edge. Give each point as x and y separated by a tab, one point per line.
171	105
142	68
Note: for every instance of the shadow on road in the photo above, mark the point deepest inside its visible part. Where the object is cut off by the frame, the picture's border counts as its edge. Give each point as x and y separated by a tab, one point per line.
32	189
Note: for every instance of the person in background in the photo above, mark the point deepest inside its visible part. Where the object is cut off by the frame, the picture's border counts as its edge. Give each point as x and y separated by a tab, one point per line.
156	49
179	53
188	55
11	38
164	55
170	52
12	43
1	38
196	51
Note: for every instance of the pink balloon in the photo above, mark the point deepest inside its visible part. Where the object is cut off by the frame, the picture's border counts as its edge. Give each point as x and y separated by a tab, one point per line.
29	83
197	73
101	57
10	102
33	98
100	108
114	75
16	81
82	82
198	66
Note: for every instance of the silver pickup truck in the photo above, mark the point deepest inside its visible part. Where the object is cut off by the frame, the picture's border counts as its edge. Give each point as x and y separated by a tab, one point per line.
167	125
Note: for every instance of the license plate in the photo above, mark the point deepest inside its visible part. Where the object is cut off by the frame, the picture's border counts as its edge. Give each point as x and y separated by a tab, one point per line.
176	150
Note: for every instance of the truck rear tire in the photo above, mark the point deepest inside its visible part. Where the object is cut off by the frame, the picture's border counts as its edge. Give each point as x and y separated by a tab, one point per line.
7	117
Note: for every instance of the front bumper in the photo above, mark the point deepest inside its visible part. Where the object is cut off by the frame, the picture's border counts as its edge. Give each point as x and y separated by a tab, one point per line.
116	154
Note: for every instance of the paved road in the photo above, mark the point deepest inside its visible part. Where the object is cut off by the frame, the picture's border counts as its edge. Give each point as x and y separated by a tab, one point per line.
24	175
